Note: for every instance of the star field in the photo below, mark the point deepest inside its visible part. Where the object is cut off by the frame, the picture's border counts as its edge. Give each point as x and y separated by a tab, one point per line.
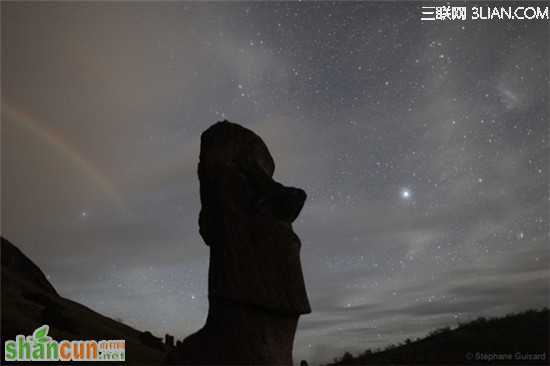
423	147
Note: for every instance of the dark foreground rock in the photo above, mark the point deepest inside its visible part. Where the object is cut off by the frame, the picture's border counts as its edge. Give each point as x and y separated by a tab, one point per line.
29	301
256	288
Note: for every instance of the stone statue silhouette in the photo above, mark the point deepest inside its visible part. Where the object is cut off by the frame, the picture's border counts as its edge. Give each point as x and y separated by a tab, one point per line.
256	288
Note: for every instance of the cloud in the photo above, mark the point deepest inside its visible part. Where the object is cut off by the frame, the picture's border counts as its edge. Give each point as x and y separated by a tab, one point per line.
353	104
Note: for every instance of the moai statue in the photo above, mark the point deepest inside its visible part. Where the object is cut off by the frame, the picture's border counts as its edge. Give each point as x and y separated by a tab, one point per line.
256	287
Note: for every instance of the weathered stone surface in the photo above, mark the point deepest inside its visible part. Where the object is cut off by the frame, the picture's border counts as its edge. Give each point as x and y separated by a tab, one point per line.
256	288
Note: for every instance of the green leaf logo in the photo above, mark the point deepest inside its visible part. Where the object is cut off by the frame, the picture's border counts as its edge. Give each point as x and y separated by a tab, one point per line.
40	335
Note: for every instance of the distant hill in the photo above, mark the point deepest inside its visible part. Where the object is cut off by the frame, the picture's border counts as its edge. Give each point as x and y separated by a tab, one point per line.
29	300
515	339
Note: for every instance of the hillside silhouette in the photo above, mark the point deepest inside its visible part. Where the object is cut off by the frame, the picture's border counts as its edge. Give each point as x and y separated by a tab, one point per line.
29	300
515	339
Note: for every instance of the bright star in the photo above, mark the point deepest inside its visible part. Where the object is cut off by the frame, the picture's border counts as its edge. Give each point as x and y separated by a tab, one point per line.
406	193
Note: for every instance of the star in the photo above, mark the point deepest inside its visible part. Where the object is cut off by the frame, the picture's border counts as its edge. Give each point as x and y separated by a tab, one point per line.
406	193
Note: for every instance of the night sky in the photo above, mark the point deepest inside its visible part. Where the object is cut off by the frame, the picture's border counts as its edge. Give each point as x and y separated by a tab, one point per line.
423	147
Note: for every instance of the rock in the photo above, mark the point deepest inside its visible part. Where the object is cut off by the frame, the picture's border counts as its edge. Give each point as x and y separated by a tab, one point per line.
256	288
169	341
148	339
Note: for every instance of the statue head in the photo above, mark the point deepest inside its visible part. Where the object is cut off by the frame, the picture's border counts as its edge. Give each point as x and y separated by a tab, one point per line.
246	220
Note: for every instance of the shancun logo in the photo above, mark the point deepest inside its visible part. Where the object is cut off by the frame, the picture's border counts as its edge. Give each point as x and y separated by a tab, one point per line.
41	347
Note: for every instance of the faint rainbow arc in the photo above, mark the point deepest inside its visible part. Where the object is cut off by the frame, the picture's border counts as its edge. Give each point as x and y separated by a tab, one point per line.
30	124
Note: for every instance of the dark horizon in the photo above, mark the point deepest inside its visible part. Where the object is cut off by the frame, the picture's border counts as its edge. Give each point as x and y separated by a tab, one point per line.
423	148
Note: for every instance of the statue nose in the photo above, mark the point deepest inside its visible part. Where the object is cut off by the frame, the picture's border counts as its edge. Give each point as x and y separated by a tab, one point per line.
298	195
284	203
290	203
